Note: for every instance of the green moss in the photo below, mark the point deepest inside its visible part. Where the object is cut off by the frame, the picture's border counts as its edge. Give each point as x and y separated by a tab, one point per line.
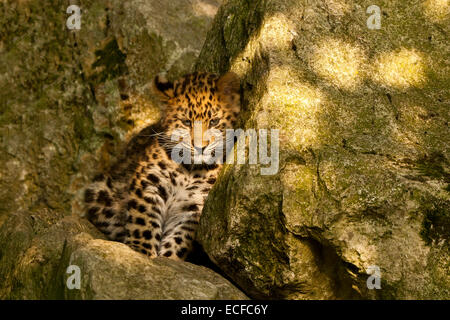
83	127
447	188
436	222
433	166
111	60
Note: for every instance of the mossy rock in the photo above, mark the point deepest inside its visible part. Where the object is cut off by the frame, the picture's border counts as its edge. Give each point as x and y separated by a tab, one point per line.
36	260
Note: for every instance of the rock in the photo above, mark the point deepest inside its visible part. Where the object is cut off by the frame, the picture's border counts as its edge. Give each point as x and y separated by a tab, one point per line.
32	251
364	175
117	272
36	267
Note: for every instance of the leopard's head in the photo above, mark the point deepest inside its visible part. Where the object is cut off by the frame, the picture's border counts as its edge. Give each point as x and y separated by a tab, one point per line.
198	108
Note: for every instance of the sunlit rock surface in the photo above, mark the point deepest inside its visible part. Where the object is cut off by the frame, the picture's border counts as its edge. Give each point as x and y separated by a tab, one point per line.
364	175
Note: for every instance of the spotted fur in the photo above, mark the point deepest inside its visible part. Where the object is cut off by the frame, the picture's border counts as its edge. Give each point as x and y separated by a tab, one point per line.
156	209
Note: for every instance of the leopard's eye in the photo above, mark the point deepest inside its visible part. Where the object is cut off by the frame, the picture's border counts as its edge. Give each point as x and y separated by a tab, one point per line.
187	123
214	122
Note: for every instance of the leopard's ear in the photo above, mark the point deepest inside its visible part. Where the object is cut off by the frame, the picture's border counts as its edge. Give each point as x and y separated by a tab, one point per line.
228	84
163	88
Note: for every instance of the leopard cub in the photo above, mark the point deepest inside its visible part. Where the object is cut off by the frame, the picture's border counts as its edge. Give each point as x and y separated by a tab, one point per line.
155	207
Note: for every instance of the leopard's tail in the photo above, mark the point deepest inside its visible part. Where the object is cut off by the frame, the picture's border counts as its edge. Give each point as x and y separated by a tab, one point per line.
103	207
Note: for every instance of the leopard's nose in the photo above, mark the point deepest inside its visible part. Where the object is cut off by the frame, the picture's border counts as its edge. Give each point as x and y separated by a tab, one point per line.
199	149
